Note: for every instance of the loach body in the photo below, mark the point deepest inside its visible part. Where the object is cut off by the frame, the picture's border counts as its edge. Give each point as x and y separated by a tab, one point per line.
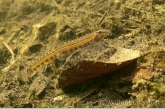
68	47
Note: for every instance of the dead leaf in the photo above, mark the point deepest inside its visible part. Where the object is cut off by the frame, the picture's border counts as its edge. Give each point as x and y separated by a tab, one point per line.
93	61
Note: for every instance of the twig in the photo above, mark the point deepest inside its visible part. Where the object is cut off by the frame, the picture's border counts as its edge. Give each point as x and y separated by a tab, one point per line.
63	2
86	94
101	19
57	5
10	50
132	33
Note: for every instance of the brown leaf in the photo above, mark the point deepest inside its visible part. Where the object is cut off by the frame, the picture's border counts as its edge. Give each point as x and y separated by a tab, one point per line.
93	61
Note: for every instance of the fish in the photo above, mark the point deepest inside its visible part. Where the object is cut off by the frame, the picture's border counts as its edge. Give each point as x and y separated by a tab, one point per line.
67	48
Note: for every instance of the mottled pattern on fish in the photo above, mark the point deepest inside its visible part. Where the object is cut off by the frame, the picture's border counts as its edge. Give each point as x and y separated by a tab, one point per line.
68	48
